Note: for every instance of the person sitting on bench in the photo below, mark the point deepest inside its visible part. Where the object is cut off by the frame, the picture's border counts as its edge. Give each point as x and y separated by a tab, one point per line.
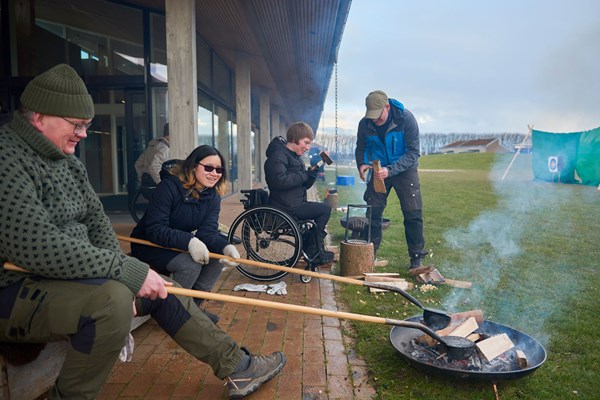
288	180
81	288
184	214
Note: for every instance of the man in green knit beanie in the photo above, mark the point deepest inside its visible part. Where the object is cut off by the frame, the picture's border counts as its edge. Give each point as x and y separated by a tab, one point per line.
80	286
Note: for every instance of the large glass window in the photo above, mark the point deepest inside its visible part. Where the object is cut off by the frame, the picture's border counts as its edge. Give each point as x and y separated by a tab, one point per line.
95	37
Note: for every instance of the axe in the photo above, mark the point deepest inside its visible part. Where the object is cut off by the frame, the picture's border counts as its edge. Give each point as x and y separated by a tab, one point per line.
324	159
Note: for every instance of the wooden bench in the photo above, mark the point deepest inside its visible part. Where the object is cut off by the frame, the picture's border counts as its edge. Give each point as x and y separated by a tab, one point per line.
30	381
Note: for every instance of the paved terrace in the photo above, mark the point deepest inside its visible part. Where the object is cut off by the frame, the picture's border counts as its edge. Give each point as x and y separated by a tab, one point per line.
320	361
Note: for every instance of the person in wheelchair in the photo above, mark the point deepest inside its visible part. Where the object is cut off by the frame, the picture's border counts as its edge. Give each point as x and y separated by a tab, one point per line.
288	180
183	214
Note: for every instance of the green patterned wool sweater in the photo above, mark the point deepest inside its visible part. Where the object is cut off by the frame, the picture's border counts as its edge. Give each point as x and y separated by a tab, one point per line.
51	221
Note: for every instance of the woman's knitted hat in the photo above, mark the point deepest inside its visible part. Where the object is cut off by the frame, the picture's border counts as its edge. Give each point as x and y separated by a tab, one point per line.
60	92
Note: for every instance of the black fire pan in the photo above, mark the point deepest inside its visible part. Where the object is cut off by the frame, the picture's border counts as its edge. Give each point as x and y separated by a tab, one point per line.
401	338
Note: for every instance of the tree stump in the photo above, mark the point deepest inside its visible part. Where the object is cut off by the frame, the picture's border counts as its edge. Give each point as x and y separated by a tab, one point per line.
356	257
332	201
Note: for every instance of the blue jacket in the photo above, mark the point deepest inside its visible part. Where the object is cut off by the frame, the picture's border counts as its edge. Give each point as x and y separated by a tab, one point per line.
172	216
286	176
400	152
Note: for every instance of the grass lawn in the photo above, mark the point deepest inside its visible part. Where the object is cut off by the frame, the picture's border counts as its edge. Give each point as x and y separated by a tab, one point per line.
531	250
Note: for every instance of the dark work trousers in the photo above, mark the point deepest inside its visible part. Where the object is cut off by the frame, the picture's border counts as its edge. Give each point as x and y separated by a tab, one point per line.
319	212
94	316
408	190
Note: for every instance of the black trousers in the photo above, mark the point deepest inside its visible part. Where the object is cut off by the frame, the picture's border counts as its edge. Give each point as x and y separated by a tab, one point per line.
408	190
319	212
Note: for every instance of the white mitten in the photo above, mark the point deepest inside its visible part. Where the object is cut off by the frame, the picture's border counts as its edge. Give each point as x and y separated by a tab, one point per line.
198	251
232	252
277	288
250	287
127	350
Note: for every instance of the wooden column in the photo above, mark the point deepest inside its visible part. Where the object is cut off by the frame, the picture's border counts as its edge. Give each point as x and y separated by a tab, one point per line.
244	120
275	130
265	133
182	79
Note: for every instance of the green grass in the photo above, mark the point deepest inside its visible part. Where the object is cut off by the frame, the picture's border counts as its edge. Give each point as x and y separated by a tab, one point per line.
531	250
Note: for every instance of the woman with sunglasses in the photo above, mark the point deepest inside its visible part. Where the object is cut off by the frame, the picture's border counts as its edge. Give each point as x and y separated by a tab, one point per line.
183	214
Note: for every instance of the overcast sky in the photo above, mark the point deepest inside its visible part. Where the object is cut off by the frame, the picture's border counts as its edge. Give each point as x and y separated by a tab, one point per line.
473	66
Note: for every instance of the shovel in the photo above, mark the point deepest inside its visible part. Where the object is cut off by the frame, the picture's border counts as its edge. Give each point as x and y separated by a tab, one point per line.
456	347
435	319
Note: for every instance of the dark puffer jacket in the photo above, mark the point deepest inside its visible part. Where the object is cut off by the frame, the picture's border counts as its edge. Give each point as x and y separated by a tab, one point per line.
286	176
172	216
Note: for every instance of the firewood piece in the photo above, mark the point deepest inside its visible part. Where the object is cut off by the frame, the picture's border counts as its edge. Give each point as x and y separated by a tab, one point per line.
378	184
391	274
400	284
459	317
431	341
521	358
458	284
371	278
465	329
473	337
433	276
356	258
381	263
492	347
424	278
420	270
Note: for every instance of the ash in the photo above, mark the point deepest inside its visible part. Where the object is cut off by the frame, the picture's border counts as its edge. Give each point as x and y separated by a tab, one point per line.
434	355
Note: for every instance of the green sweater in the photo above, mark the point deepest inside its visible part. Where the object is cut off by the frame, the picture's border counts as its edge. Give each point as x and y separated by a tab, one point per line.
51	221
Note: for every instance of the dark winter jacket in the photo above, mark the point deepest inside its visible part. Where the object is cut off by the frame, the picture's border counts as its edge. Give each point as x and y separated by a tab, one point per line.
400	151
286	175
172	216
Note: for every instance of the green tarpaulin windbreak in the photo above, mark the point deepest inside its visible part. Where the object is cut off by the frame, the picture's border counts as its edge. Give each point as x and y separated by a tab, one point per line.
567	157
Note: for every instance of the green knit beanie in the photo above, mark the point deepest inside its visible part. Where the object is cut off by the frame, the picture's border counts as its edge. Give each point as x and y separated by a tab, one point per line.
60	92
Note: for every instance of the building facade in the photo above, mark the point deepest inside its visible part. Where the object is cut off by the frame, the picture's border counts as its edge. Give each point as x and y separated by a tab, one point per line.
120	50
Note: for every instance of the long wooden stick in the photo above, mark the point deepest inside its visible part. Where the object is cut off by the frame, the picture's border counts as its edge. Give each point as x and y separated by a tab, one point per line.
280	306
270	266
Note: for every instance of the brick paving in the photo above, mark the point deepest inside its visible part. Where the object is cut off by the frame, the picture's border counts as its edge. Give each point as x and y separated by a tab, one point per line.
320	361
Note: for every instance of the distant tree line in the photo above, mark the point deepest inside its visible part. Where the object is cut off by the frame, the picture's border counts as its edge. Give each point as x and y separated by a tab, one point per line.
430	142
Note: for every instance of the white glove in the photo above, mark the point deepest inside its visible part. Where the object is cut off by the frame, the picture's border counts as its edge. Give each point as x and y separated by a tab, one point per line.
127	350
250	287
232	252
198	251
277	288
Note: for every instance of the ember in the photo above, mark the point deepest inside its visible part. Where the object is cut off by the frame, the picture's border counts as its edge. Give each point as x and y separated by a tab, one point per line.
434	356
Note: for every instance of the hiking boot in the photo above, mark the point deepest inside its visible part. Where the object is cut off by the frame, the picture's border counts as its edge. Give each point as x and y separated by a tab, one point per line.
213	317
261	370
416	262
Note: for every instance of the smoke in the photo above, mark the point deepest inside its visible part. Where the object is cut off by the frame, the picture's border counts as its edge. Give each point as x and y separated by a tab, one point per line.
495	248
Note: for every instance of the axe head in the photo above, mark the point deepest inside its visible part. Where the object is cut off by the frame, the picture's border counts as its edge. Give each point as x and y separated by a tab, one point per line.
326	158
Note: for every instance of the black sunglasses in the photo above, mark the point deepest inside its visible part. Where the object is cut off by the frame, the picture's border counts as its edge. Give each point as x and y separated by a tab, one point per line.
210	168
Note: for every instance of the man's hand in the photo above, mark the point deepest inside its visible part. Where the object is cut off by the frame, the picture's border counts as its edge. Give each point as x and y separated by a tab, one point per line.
154	286
382	173
361	171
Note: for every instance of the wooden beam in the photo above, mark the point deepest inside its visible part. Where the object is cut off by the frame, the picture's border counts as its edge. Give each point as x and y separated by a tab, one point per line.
492	347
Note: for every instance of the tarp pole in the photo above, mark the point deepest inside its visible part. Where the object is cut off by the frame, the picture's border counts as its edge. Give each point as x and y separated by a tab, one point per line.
517	152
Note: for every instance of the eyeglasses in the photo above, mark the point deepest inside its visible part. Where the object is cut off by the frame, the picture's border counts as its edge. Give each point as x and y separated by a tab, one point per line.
210	168
79	128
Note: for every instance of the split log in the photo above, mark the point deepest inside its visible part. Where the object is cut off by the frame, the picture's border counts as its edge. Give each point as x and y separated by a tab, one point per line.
522	361
465	329
378	184
458	284
390	274
371	278
474	337
356	258
420	270
492	347
433	276
381	263
399	284
458	318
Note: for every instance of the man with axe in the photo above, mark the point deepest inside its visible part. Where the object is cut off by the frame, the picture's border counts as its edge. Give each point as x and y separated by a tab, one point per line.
388	144
81	288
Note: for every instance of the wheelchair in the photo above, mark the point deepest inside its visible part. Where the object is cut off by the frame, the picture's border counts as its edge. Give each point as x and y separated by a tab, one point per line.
271	235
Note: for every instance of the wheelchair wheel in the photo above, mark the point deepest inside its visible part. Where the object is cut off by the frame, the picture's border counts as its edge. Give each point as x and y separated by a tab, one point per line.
268	235
137	206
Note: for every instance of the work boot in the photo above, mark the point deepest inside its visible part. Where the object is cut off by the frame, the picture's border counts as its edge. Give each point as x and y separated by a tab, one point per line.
416	262
261	370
